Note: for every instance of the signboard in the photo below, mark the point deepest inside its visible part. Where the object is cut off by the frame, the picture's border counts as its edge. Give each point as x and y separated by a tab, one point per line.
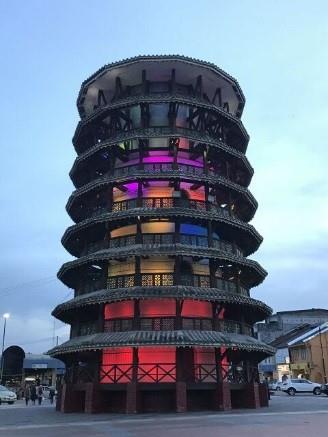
39	366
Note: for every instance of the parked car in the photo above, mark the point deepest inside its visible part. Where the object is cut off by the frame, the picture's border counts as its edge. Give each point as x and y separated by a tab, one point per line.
299	385
324	389
7	395
275	386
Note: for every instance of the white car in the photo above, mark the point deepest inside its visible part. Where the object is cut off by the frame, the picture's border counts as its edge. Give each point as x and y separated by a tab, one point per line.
299	385
7	395
276	385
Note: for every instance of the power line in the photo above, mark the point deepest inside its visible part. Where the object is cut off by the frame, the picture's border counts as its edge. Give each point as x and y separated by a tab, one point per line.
27	283
23	285
41	340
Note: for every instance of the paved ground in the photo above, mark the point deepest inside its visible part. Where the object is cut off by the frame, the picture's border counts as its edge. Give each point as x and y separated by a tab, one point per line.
302	415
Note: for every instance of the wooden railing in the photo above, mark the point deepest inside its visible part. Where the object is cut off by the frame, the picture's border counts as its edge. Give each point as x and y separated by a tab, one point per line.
152	203
164	202
161	280
167	372
165	167
171	324
161	239
167	279
123	281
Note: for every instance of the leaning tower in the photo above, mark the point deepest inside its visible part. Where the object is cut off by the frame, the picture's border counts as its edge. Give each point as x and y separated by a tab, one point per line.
162	315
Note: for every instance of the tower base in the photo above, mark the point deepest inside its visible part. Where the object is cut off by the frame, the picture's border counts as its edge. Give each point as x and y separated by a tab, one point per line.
177	397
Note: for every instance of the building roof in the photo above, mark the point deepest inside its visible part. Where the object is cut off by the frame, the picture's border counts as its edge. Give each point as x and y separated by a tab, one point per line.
283	340
184	67
253	268
307	336
309	310
32	360
173	338
197	293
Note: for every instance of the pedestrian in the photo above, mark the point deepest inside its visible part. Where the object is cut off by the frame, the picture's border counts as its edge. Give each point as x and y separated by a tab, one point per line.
51	395
33	394
27	394
266	383
39	393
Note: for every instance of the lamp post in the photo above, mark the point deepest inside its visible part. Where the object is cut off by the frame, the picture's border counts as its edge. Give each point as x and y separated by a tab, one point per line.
5	316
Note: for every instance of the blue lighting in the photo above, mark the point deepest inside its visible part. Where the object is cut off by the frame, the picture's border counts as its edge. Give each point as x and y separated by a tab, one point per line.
193	230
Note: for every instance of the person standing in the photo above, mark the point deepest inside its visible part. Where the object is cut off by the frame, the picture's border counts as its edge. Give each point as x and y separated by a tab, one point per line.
39	392
51	395
33	394
266	383
27	394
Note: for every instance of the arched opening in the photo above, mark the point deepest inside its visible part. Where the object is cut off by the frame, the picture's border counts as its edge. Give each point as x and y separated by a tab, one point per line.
13	358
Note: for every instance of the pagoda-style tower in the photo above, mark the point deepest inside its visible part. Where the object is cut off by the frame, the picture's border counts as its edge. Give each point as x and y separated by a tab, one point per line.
162	316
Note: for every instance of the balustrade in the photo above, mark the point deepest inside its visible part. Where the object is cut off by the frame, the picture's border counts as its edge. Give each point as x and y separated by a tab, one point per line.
167	279
125	241
89	287
159	202
155	239
153	203
164	167
166	372
157	279
170	324
161	239
121	281
195	280
161	279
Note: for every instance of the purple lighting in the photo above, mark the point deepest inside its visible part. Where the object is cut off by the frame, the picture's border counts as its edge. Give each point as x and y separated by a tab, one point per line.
157	159
132	186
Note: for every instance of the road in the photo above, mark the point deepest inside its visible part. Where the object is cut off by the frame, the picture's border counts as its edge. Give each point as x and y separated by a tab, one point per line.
301	416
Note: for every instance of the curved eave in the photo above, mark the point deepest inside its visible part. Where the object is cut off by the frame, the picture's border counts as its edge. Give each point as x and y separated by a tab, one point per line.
255	239
159	98
141	175
151	58
256	271
64	311
164	338
165	133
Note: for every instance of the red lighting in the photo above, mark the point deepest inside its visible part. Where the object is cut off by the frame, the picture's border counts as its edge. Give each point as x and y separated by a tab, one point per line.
204	360
116	365
194	308
156	364
157	308
119	310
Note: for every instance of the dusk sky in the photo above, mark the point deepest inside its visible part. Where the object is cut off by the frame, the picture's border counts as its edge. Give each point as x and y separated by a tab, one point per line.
276	49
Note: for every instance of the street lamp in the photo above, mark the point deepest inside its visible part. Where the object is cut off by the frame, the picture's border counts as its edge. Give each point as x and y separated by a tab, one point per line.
5	316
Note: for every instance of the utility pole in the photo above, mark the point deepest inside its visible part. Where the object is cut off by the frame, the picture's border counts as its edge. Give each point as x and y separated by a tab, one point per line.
323	358
54	333
5	316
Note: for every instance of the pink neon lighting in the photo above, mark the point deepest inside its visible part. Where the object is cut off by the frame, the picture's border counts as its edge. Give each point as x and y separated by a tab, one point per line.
194	308
158	153
157	308
119	309
157	159
132	186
